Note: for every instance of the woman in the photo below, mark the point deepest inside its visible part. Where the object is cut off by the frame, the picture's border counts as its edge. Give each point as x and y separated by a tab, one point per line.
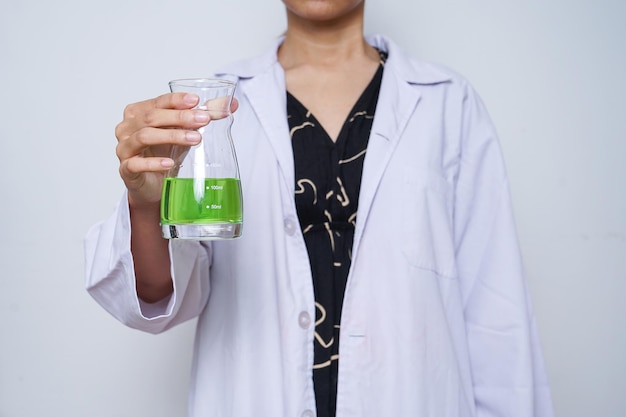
378	274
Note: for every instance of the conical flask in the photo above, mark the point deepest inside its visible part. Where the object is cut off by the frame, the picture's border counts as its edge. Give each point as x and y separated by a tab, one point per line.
202	192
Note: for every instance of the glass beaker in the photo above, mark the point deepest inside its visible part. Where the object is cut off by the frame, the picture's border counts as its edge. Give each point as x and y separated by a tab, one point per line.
202	192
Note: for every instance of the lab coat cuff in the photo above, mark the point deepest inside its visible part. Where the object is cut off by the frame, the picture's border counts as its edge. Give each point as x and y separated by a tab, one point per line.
161	308
121	247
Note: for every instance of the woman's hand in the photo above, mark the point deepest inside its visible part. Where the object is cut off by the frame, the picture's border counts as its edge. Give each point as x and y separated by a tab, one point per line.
145	138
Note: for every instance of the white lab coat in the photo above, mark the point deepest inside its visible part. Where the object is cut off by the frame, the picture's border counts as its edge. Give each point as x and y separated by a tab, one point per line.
436	317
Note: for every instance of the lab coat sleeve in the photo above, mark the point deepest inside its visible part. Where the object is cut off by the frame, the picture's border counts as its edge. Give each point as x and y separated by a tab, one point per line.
508	373
110	276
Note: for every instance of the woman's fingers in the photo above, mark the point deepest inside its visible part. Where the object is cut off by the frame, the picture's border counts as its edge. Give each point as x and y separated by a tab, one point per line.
133	168
173	110
167	110
146	137
149	131
218	107
175	101
143	178
138	117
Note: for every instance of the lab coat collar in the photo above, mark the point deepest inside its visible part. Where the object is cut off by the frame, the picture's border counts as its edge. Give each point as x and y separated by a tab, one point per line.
403	81
413	72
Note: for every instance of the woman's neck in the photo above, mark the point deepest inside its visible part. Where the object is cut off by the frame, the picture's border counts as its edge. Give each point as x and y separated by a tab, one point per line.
323	44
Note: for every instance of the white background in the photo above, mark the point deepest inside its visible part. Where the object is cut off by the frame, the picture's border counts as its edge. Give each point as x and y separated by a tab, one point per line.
552	73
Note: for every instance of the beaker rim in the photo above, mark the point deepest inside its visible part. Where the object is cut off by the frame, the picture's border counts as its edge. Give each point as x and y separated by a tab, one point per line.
203	82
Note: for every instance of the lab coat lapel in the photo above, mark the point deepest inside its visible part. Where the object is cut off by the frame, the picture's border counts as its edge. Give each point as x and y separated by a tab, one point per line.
396	103
267	96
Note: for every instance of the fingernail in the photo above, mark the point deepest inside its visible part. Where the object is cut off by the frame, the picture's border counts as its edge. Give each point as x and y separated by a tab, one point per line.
190	99
167	163
201	116
192	136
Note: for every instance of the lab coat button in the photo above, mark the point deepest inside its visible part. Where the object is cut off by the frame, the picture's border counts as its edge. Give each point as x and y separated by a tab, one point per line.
304	320
308	413
290	227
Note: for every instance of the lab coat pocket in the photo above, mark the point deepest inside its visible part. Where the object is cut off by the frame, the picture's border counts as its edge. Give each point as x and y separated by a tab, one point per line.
427	214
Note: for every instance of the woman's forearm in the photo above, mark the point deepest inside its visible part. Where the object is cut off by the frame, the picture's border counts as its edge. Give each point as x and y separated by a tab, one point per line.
150	255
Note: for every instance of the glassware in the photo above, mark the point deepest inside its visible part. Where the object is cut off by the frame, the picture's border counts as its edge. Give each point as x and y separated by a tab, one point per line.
202	192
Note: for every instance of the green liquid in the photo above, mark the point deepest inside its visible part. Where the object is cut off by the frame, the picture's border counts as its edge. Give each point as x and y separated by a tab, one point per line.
219	201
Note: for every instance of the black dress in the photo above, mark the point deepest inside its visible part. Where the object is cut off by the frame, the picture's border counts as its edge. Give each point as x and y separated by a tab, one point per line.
328	181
